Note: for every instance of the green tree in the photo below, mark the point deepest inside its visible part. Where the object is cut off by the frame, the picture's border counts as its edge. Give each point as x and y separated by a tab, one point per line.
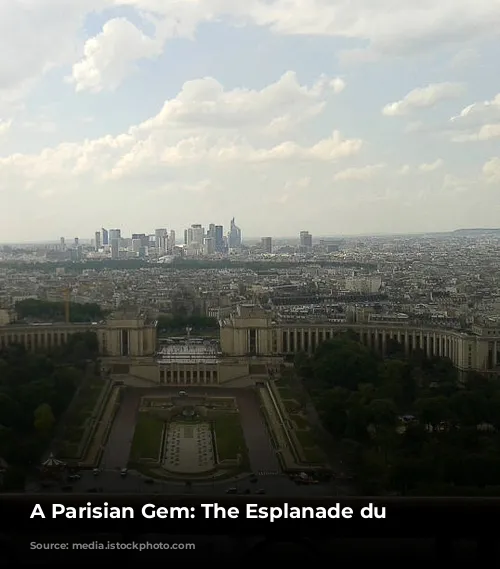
432	410
373	473
396	381
43	310
383	412
302	363
358	421
13	480
345	363
332	406
469	407
44	419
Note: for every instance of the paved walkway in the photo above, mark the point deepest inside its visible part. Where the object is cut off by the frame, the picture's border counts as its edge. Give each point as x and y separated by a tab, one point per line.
189	448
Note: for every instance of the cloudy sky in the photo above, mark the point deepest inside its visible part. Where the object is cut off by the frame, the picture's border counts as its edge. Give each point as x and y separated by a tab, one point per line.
334	116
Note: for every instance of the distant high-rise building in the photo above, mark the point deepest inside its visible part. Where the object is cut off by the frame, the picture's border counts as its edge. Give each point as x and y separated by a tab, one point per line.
75	254
234	237
267	244
77	241
171	242
197	234
136	245
209	246
143	238
161	240
305	241
219	238
115	248
97	240
115	234
105	238
186	236
63	243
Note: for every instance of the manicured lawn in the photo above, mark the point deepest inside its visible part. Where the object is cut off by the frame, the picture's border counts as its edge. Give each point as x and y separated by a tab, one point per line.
289	390
147	437
229	436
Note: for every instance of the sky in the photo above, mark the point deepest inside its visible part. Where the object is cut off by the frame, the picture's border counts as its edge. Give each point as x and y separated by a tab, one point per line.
333	116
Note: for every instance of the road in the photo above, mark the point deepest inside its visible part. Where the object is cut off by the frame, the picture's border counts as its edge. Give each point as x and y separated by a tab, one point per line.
110	481
117	451
261	453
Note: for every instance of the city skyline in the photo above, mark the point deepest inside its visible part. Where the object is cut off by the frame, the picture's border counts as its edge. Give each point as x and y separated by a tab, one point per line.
275	238
349	119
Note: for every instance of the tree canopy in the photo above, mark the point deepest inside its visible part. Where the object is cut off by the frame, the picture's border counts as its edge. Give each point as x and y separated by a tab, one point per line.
406	426
45	311
178	323
35	390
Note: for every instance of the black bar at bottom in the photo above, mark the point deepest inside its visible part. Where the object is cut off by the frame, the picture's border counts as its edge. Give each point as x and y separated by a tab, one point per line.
404	518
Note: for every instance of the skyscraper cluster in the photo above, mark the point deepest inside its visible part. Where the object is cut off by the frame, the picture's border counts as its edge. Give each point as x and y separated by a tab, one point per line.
213	240
198	241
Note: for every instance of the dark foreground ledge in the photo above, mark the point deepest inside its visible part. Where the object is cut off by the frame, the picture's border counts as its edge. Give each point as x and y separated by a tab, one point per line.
250	515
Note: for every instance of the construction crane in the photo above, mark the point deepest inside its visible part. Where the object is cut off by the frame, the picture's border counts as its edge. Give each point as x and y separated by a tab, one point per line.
67	300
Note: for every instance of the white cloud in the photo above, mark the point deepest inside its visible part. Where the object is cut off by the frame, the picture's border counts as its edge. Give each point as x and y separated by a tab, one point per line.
478	113
491	170
285	103
5	126
110	56
45	34
384	26
246	141
337	84
431	167
477	122
362	174
486	132
203	150
204	125
38	36
291	190
423	98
